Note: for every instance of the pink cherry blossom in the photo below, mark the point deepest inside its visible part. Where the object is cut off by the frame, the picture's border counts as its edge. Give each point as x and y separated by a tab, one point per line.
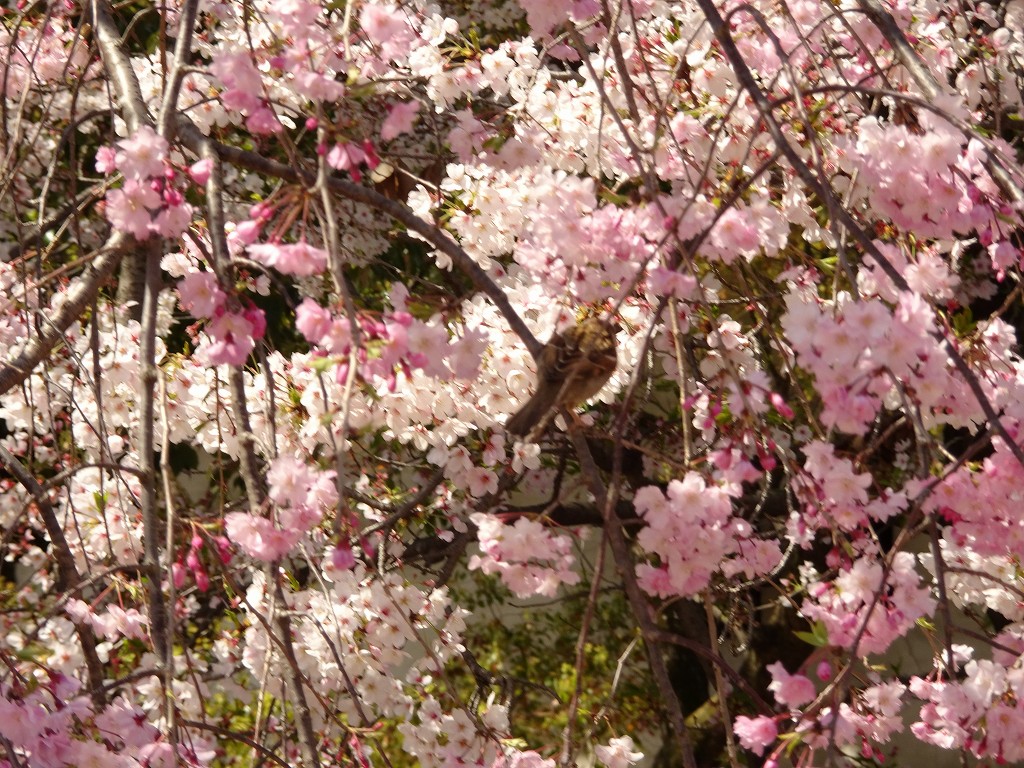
790	690
543	16
172	219
755	733
106	160
241	78
312	320
519	759
381	23
200	171
131	208
618	753
142	155
343	558
529	559
232	338
299	258
668	282
262	120
693	534
400	119
289	480
346	157
259	537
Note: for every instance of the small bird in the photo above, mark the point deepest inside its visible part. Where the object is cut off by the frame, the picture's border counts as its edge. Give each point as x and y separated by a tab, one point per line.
572	367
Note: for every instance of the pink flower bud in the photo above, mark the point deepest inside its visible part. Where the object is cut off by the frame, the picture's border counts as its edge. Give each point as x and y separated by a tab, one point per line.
372	159
105	160
823	671
200	172
780	406
257	321
178	574
247	231
342	557
202	580
341	374
223	549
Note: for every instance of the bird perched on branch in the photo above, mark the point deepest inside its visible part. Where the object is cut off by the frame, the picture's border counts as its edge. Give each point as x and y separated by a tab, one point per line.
572	367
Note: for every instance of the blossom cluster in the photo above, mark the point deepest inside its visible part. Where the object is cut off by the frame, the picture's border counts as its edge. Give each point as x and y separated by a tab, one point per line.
301	496
148	202
529	559
692	531
55	725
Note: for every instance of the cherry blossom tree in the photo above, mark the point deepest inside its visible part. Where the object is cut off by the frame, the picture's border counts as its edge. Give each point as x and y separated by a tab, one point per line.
276	273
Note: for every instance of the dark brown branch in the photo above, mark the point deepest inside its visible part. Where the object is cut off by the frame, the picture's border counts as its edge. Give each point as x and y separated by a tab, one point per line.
225	733
255	486
68	577
182	51
162	644
638	601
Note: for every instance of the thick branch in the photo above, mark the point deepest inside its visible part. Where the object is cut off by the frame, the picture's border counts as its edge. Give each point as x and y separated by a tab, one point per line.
81	293
150	255
119	68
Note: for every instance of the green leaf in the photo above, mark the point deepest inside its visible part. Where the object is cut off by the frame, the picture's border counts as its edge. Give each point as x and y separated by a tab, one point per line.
818	636
321	364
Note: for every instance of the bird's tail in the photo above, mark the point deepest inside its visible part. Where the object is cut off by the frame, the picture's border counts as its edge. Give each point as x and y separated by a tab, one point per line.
526	419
